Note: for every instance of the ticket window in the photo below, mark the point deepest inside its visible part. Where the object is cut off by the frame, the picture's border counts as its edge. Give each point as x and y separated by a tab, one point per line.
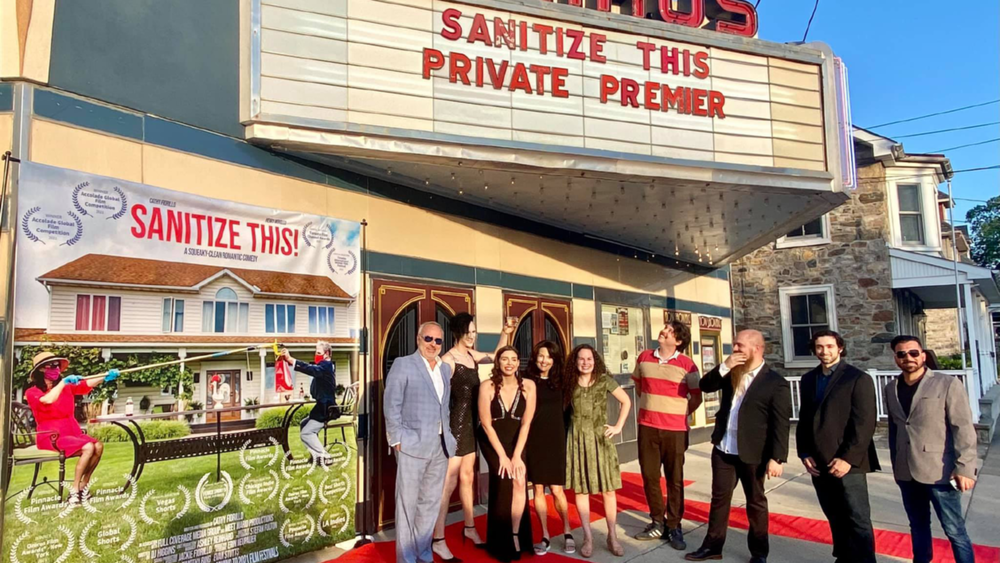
710	350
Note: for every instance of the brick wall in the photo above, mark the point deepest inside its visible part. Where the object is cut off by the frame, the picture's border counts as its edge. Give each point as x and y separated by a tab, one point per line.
942	332
856	262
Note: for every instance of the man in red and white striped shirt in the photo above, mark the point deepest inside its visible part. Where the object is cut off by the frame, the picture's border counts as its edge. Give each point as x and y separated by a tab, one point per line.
666	383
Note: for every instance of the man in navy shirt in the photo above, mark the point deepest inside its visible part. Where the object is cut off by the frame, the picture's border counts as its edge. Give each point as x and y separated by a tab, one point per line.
323	390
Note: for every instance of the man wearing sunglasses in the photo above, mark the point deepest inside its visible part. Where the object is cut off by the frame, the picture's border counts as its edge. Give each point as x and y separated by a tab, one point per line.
418	429
933	447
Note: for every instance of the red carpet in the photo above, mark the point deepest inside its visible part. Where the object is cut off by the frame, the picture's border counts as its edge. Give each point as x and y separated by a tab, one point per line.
631	497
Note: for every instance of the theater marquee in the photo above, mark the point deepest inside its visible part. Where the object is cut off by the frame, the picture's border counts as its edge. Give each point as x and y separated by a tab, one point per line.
491	101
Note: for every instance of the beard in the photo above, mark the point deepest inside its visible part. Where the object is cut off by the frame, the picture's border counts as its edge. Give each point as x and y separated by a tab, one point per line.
736	374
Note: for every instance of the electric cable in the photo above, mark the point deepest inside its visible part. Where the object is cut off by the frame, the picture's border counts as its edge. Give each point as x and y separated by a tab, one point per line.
964	128
965	146
919	117
809	25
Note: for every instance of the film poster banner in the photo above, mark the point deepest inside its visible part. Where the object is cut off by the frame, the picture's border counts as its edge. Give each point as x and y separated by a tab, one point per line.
103	263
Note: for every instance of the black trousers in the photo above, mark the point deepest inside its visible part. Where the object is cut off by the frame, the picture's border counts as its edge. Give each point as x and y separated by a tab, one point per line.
727	470
845	503
663	448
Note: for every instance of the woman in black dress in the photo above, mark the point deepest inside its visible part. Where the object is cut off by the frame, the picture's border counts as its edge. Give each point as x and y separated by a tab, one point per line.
506	406
464	360
546	451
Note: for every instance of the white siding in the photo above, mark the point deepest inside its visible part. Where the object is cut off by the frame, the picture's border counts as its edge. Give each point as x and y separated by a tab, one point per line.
142	311
304	70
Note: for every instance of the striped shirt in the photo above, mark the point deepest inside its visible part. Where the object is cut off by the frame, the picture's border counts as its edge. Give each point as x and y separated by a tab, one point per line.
664	386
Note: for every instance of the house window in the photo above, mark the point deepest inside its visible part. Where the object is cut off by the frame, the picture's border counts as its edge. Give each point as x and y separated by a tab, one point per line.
812	233
320	320
911	221
225	314
810	229
279	318
805	310
173	315
98	313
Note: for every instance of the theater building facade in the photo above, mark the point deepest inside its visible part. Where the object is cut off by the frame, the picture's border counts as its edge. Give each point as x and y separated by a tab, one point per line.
587	171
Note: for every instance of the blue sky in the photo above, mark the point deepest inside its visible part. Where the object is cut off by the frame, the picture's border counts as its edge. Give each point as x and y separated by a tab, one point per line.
910	58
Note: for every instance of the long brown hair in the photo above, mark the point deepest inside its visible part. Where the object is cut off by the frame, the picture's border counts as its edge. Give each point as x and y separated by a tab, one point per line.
573	375
557	378
496	376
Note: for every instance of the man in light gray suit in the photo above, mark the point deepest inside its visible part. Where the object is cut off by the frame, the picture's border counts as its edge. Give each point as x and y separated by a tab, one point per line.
933	447
418	428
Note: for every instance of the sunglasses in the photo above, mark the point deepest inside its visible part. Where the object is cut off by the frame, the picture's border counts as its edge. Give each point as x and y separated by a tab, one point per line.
911	353
437	341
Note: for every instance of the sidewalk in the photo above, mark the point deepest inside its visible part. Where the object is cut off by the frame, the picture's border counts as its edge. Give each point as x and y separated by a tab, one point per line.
983	512
799	532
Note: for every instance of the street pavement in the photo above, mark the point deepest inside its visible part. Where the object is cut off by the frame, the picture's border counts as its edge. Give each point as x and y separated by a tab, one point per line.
798	527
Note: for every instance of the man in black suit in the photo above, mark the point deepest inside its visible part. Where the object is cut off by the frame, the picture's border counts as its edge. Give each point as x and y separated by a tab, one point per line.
751	441
834	440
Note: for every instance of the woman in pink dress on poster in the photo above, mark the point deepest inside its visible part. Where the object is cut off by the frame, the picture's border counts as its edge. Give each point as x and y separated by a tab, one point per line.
52	401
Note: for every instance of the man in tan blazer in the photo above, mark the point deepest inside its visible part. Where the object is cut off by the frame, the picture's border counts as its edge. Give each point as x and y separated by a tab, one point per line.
932	443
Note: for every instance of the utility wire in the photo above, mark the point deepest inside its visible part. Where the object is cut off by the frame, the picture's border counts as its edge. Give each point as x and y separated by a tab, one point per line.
808	25
931	115
925	133
965	146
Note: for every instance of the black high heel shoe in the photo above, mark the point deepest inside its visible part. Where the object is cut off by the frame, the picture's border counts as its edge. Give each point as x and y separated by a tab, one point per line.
480	545
517	548
452	559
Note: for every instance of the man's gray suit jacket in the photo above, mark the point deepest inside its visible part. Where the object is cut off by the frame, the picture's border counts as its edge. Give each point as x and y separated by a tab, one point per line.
938	437
414	417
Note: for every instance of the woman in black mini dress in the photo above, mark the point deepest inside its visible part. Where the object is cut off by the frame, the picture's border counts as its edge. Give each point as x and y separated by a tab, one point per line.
464	360
546	450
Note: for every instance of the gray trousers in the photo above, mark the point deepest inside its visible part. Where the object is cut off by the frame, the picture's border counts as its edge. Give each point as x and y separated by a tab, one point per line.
309	434
419	483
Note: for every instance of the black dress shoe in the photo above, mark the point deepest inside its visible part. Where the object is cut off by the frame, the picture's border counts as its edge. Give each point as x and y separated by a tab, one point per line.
758	560
703	554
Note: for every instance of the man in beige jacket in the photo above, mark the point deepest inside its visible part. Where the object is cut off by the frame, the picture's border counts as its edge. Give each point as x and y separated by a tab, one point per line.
933	446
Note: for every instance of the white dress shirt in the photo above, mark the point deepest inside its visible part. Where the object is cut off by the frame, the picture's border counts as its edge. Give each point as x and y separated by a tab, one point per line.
437	379
729	440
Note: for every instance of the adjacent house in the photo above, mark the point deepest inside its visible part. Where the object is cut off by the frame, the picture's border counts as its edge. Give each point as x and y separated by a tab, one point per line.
877	266
135	305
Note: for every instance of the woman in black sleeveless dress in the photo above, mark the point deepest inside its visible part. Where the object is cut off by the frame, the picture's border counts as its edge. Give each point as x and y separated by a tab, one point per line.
464	360
546	451
506	406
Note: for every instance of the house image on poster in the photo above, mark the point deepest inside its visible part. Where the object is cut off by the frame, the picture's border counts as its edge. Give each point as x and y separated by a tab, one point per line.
135	305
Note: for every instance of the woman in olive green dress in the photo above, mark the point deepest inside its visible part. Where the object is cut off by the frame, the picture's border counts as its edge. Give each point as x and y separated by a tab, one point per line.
591	457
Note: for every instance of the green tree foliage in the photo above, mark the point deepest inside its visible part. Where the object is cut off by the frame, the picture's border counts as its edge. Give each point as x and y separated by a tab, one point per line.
88	361
984	221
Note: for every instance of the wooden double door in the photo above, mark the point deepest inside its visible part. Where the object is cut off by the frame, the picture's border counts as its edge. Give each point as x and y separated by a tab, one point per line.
537	319
400	309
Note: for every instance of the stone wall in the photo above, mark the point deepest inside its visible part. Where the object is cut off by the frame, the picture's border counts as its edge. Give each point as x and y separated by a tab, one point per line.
856	262
942	332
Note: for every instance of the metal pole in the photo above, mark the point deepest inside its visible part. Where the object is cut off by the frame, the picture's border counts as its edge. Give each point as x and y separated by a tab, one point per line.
7	220
958	287
183	360
363	419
